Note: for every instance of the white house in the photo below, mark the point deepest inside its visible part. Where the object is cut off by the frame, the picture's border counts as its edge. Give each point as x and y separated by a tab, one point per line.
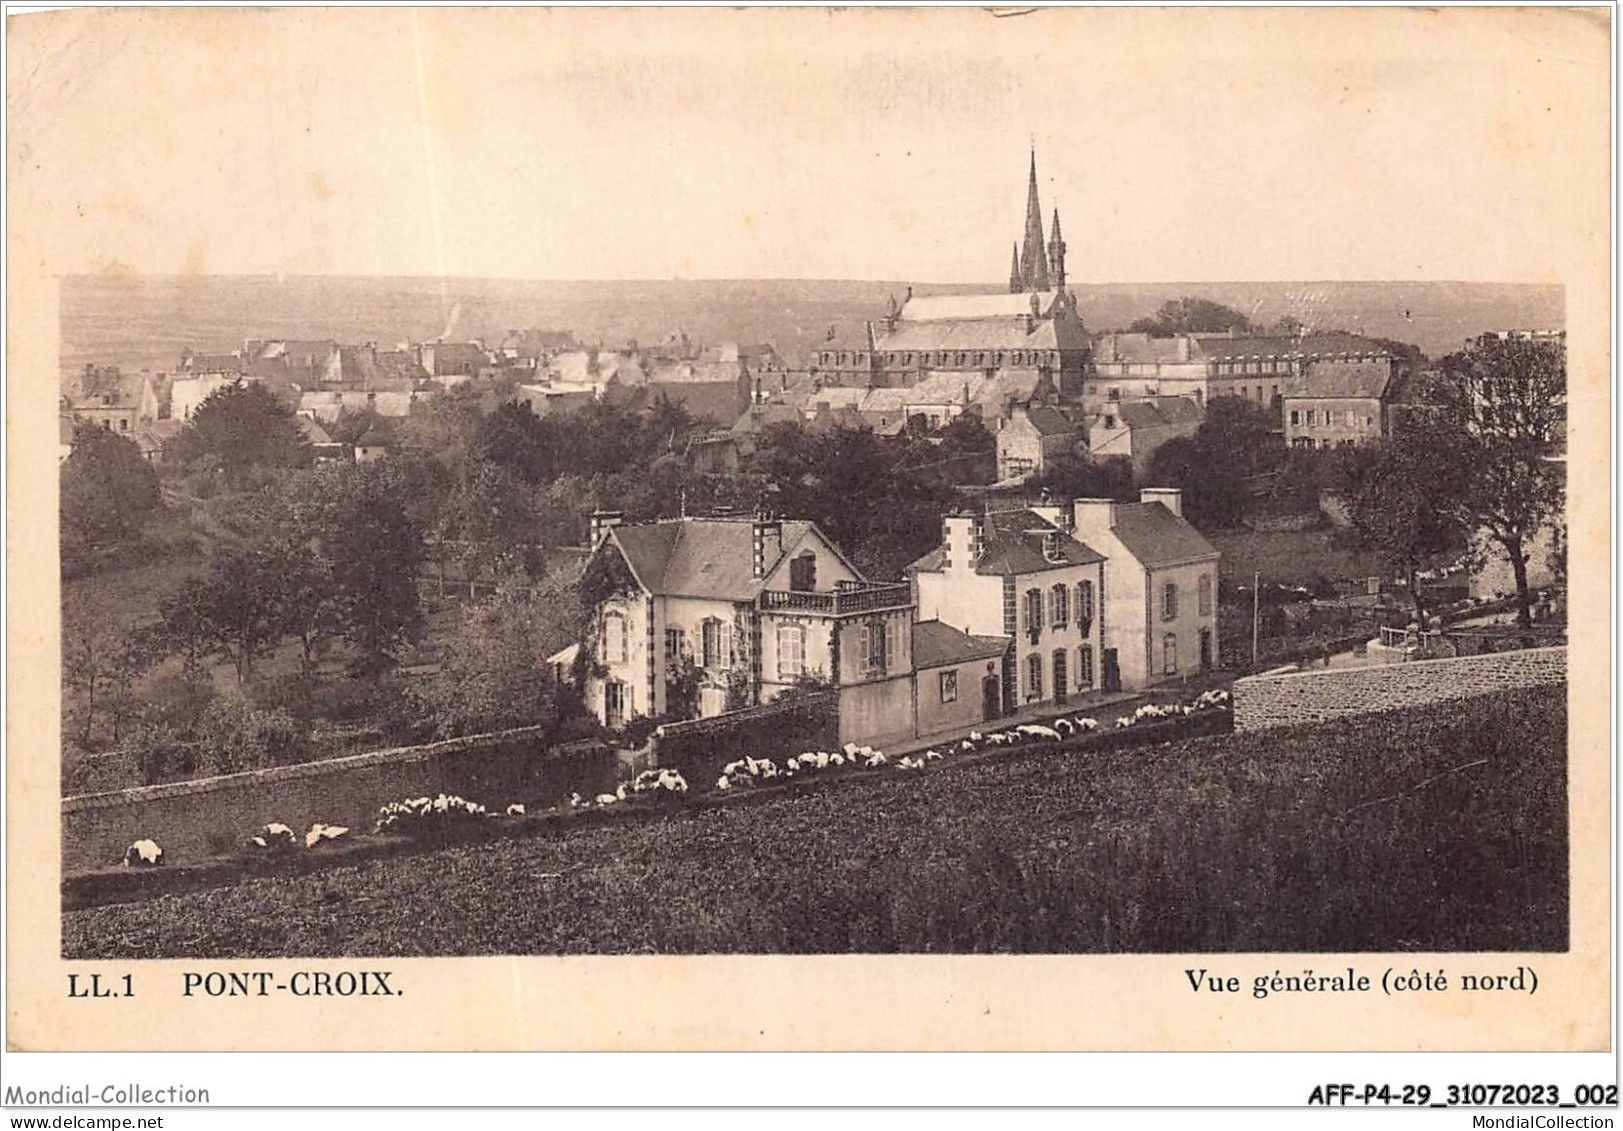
1022	576
1160	611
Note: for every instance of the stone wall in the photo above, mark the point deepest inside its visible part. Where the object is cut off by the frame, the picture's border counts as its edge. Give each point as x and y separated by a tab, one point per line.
1303	697
699	748
193	820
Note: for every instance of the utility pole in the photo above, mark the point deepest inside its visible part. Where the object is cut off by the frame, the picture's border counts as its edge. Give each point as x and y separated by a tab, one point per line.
1256	599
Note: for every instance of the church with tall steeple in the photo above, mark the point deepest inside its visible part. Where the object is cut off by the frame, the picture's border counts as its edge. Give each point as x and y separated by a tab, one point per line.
1031	335
1036	267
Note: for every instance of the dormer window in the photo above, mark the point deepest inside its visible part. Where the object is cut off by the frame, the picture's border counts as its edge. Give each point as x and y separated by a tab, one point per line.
1051	547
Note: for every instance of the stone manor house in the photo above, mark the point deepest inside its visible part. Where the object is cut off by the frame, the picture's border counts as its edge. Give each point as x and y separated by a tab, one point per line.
1017	609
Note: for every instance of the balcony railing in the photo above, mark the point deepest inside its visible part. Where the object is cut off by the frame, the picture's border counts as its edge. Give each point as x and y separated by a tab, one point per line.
842	602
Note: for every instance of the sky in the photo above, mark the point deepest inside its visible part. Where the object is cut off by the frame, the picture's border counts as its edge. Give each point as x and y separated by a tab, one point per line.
1231	144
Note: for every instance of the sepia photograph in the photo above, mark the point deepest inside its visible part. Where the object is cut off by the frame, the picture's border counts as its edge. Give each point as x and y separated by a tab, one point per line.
1066	483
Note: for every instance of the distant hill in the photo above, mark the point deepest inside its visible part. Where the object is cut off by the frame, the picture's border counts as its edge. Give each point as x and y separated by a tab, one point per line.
145	321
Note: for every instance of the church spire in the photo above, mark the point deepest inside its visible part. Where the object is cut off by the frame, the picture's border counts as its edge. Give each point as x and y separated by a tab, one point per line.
1033	261
1015	284
1056	254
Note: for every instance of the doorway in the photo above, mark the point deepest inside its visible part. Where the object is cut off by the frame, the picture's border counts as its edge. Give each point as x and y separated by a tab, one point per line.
991	699
1061	683
1111	670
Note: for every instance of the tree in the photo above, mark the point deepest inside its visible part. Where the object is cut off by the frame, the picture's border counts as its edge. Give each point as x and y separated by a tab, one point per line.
1508	398
107	490
1211	465
233	608
367	534
1392	492
242	428
1078	477
494	672
102	662
1190	315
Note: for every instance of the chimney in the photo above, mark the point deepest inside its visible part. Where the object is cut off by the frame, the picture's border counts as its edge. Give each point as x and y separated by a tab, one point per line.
766	547
1052	511
602	523
1092	516
1169	497
963	536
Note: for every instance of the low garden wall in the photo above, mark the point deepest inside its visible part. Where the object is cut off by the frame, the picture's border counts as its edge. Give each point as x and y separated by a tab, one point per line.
700	748
193	820
1264	701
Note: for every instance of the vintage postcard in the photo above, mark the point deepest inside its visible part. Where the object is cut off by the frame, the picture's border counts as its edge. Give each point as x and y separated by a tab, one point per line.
802	529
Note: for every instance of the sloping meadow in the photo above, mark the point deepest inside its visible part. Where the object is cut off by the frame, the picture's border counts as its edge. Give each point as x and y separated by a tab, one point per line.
1432	829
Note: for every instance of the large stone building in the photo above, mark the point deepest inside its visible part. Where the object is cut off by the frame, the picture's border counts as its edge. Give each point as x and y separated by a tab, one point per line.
1336	403
1035	328
1256	367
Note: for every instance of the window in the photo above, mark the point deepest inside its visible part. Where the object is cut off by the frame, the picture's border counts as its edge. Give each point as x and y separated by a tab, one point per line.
1113	393
791	651
1110	421
1205	595
614	638
1084	667
674	644
879	642
1296	417
710	635
1062	606
1169	654
1084	606
949	687
123	424
1312	417
1034	676
803	573
1034	611
1169	601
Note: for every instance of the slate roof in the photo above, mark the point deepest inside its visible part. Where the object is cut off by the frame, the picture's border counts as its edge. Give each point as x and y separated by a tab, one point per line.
946	387
385	368
699	557
936	645
1048	420
1342	379
1013	545
718	401
1163	412
1141	349
972	334
214	363
952	308
1156	536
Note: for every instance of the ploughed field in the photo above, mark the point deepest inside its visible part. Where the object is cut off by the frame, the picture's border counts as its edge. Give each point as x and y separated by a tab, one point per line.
1438	828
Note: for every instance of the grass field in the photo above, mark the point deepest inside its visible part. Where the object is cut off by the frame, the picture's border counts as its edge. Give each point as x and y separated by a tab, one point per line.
1435	829
1290	557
